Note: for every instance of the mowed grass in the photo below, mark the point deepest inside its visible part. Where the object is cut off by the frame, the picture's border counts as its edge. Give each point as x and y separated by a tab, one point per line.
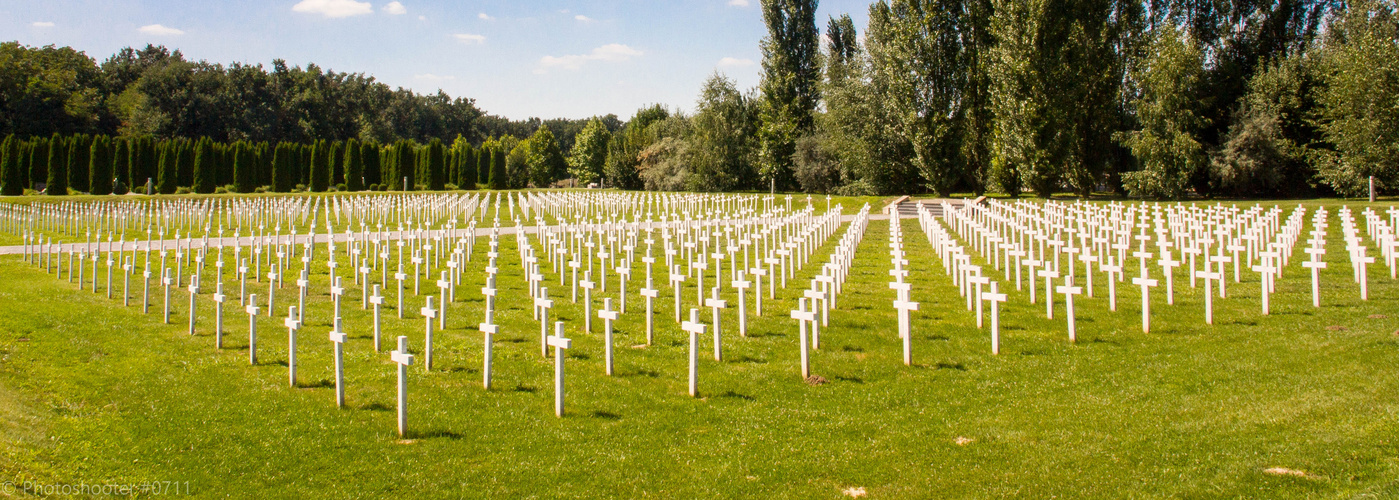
91	391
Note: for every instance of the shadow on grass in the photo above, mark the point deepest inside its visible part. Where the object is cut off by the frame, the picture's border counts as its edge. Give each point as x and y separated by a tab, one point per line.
947	365
319	384
855	380
526	388
376	407
735	395
606	415
437	434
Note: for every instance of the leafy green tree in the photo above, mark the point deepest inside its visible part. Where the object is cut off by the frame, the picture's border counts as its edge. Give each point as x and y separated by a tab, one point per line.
789	85
1166	145
919	67
58	173
721	138
623	152
544	158
589	153
100	166
11	176
1358	114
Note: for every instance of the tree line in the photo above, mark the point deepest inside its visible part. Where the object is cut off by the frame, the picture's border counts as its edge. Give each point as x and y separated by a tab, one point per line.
1151	99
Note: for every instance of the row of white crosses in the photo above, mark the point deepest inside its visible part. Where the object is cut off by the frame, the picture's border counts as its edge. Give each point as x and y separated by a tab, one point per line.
1038	236
967	276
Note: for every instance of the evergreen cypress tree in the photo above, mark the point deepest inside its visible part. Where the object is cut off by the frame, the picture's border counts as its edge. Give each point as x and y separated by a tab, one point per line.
354	168
205	164
436	166
167	170
37	170
243	168
320	167
11	179
121	163
498	178
186	163
79	150
466	173
335	164
100	166
483	164
57	163
281	168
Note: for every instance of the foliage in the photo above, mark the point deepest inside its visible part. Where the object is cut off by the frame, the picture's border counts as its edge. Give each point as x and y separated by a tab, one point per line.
1358	112
720	138
544	159
1166	145
789	89
589	152
1265	152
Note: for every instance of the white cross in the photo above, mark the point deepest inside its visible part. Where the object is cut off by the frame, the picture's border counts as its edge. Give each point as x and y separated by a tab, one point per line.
376	300
1209	277
803	317
252	310
338	337
995	298
1049	277
588	286
904	306
293	324
695	328
741	284
403	358
1069	291
650	294
716	306
1316	266
559	343
608	316
1265	274
1146	284
428	315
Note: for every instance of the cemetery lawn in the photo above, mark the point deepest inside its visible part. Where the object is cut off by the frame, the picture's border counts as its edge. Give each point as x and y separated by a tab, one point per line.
1302	403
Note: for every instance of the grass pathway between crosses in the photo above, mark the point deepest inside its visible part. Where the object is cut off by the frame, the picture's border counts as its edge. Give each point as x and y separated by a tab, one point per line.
94	392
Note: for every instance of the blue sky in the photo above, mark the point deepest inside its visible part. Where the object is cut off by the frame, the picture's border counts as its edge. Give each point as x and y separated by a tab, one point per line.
570	59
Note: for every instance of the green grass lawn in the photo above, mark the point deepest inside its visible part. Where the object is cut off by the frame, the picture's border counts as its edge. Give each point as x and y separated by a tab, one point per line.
91	391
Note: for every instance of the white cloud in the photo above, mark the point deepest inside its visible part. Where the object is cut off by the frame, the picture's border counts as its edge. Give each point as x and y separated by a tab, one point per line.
334	8
470	38
394	8
583	19
156	29
738	3
485	17
42	24
734	61
434	78
614	52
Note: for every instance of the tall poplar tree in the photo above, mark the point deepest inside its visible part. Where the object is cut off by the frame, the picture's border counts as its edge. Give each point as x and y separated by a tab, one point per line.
789	85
